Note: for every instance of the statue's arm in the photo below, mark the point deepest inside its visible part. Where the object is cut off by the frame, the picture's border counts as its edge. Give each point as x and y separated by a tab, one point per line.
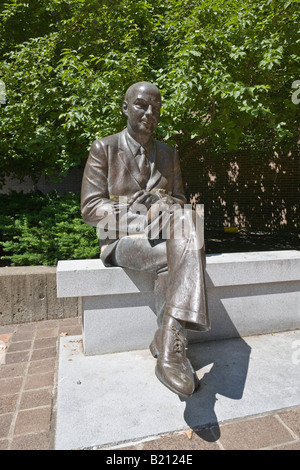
96	205
95	200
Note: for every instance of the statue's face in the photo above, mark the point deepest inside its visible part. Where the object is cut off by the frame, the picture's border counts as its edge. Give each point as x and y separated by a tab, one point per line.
142	108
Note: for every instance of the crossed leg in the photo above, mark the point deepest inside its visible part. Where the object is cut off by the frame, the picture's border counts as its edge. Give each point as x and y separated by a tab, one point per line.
185	298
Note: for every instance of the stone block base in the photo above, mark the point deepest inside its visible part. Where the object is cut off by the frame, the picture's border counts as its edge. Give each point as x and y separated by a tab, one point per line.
248	294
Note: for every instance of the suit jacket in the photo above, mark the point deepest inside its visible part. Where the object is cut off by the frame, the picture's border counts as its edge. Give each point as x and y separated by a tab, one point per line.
111	172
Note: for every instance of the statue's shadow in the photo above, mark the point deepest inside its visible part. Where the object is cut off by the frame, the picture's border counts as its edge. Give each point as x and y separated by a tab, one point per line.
222	368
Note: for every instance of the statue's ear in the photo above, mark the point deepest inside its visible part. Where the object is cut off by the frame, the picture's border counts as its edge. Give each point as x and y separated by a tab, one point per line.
125	108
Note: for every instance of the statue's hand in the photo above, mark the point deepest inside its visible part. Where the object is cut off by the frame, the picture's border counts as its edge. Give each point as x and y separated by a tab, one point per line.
165	204
143	197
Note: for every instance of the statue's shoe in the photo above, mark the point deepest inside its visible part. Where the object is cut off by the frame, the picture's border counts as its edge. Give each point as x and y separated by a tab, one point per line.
173	368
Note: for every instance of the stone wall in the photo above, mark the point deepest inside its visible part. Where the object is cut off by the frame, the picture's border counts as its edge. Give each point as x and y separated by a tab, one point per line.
29	294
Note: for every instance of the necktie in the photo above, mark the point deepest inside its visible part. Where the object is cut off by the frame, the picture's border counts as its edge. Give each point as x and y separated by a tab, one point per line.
143	164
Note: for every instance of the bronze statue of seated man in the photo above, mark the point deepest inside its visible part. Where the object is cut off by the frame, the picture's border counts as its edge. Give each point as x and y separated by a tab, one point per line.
131	181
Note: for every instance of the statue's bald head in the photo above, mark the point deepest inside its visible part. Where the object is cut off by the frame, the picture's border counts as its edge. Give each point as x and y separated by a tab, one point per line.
142	87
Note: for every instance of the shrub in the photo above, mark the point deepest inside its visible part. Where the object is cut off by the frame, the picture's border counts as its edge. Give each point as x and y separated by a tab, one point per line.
40	229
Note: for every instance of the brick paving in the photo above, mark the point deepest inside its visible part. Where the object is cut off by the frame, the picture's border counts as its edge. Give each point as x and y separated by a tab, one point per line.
28	365
273	431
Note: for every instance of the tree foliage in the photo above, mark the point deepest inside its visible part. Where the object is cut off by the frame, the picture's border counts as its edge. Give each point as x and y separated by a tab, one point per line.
225	69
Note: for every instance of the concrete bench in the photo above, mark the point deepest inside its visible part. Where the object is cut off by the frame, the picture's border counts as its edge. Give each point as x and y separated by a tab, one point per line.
248	294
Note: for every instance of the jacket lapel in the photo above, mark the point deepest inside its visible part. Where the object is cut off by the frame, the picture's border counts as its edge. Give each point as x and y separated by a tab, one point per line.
129	161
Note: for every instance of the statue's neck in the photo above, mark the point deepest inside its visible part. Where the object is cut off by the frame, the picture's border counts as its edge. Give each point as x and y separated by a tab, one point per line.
141	138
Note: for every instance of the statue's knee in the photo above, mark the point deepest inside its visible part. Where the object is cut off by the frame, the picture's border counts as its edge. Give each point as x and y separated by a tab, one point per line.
188	218
184	223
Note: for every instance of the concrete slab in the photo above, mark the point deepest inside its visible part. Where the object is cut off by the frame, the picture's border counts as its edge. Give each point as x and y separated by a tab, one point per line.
109	399
115	323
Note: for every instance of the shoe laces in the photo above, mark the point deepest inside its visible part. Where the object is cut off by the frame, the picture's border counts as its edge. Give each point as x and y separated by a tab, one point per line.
180	342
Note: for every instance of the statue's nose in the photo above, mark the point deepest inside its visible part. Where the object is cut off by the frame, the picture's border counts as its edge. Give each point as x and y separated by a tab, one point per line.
149	109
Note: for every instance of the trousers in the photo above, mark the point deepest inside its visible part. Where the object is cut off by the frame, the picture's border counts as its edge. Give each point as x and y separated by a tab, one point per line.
179	264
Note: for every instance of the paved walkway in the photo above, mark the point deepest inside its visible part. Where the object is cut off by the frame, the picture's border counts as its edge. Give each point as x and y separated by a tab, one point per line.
28	376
